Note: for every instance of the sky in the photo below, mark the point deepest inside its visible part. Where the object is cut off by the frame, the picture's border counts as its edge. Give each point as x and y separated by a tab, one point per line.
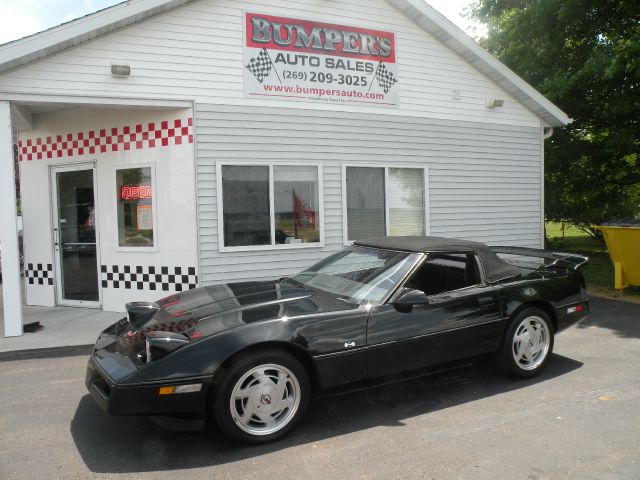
19	18
454	11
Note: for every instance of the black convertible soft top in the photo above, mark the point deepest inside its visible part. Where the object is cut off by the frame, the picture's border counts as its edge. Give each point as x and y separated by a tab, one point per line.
495	268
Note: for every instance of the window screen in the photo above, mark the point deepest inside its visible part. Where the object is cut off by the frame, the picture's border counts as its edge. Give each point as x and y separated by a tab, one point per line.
365	203
406	201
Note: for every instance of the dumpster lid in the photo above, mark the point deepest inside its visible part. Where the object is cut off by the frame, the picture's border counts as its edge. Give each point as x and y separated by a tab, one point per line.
622	222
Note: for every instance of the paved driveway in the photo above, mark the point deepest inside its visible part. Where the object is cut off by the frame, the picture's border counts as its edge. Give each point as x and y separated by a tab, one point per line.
579	420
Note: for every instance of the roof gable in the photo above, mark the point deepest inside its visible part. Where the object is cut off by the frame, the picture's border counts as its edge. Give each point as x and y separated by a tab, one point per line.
36	47
53	40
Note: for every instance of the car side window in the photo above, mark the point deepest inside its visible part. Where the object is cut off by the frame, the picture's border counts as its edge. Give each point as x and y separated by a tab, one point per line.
445	272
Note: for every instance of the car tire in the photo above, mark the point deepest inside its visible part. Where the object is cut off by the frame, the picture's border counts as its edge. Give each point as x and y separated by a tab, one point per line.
261	396
528	344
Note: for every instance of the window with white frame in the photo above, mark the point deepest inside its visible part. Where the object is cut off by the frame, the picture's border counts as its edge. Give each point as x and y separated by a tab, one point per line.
134	190
266	205
384	201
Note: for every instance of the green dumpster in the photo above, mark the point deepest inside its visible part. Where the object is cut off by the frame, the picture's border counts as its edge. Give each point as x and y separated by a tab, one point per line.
623	242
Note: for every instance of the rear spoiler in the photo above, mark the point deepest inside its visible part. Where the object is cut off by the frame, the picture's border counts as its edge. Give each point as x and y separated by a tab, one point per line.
574	260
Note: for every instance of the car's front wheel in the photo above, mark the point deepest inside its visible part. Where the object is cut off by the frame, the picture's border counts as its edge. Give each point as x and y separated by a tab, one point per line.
528	343
261	396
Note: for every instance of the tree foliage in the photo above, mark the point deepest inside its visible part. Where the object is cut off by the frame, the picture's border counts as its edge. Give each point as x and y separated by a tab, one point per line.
583	55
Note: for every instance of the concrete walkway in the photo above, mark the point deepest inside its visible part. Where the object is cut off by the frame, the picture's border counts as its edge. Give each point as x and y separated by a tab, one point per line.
63	327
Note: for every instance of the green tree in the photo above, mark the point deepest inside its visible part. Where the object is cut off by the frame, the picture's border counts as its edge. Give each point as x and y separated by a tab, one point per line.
583	55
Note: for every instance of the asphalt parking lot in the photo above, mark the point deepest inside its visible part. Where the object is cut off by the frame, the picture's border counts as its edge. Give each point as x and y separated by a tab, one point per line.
579	420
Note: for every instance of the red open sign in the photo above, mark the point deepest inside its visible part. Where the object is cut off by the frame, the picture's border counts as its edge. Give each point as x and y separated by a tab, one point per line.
135	192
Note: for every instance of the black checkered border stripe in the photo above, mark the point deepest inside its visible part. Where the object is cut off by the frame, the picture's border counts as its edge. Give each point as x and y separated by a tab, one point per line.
39	274
128	277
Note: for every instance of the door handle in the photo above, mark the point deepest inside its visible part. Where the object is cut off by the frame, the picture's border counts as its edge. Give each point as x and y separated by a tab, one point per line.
485	301
435	299
55	237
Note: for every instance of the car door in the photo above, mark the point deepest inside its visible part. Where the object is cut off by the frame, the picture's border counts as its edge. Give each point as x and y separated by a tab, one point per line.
461	319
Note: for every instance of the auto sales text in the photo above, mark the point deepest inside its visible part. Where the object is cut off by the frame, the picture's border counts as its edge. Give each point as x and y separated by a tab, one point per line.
329	62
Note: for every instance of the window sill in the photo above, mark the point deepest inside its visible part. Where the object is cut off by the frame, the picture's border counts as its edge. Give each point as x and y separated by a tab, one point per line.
136	249
271	248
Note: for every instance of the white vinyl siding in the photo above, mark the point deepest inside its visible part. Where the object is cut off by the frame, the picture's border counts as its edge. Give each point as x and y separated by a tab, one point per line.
483	182
195	53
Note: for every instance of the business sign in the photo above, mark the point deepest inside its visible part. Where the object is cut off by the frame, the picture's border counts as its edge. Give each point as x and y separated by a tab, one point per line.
319	62
135	192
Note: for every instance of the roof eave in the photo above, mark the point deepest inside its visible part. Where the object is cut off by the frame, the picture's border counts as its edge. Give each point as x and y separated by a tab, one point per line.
40	45
35	47
441	28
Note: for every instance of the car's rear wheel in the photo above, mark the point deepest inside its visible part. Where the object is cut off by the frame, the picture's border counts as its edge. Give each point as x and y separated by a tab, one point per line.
528	343
261	396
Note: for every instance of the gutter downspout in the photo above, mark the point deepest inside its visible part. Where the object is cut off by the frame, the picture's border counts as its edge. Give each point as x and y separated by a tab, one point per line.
545	133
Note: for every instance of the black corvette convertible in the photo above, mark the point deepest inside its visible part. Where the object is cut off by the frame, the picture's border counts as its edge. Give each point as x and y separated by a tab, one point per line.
250	355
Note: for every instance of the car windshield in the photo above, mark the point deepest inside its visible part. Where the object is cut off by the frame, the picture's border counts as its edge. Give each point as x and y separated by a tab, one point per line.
359	274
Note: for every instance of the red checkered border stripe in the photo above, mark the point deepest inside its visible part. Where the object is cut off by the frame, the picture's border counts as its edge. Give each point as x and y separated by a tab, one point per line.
140	136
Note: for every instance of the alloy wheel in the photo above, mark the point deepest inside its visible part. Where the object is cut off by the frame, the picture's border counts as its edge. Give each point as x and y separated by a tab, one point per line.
531	343
265	399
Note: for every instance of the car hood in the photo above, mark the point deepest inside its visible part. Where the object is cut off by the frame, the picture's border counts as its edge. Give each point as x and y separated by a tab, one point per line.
206	311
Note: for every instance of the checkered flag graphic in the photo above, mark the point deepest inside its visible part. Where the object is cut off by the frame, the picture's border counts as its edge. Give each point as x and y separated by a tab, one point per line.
385	78
261	65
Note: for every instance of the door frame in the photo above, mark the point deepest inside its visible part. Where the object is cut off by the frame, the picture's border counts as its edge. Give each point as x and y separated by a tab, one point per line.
57	259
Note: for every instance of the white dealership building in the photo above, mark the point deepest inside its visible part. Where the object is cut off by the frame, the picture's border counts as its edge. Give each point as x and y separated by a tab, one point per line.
168	144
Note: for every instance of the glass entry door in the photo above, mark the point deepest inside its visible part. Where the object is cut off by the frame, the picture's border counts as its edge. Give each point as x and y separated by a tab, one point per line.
75	244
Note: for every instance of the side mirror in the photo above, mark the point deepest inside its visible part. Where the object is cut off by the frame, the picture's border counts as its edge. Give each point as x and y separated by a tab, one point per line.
409	298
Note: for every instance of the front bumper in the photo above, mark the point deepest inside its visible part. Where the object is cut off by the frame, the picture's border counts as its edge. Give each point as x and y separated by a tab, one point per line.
143	399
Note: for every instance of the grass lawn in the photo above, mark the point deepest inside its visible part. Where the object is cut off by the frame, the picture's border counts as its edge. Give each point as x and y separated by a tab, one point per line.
598	273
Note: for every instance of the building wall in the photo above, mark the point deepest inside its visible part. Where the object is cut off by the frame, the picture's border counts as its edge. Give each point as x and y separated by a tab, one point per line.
195	52
484	183
174	193
484	164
